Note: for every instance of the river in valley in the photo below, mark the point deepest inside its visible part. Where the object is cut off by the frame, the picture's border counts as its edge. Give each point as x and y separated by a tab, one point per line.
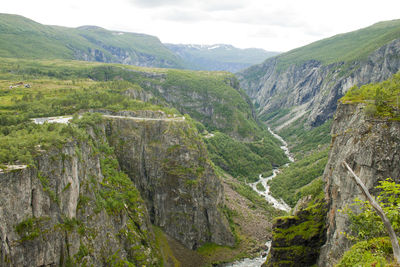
277	203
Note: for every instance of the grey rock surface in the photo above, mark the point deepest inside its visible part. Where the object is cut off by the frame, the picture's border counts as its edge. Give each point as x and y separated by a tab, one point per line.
55	227
371	147
313	87
168	162
64	210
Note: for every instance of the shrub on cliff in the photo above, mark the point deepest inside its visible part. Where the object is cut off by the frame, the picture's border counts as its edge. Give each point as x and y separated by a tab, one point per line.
367	224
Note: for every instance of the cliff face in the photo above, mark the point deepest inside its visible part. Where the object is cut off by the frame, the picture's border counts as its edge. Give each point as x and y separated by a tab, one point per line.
76	206
57	214
371	147
112	54
168	162
314	87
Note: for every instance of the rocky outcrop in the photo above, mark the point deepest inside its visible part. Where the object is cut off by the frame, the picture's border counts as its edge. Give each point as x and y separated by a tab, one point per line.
313	87
58	213
168	162
296	240
111	54
76	206
371	147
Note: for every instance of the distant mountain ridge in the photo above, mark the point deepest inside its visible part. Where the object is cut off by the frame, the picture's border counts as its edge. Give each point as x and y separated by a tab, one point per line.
219	56
21	37
305	83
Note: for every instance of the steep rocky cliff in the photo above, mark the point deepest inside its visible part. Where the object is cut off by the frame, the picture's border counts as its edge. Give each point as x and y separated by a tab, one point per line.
168	162
75	205
73	208
370	146
312	87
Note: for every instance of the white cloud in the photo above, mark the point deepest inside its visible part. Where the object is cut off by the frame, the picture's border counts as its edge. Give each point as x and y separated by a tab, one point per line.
272	25
183	15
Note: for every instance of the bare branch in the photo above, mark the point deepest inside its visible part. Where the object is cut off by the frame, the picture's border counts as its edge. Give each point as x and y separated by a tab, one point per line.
379	211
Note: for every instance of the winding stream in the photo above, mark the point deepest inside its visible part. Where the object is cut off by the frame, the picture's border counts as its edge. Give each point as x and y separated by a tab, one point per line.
278	204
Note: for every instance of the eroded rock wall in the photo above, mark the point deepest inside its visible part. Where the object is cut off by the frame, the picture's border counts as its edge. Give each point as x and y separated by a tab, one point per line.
168	162
76	206
371	146
314	87
54	214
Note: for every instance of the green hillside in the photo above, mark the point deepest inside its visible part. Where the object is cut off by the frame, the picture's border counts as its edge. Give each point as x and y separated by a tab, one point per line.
59	87
356	45
23	38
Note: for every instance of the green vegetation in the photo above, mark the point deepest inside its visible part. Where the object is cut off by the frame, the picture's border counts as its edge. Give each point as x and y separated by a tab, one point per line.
32	228
166	250
118	192
257	200
287	184
303	140
373	247
23	38
245	160
346	47
197	93
46	188
374	252
297	239
260	187
273	117
365	223
314	189
382	99
63	87
310	147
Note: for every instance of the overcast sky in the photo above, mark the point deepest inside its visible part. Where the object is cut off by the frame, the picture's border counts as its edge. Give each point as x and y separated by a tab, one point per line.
278	25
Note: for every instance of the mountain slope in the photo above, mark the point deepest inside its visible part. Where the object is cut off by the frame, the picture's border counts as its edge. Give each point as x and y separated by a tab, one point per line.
219	57
23	38
308	81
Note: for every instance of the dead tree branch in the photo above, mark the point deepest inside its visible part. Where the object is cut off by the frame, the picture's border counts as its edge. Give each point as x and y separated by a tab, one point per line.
379	211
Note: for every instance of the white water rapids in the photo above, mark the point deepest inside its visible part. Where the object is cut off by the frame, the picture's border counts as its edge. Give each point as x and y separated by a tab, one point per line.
278	204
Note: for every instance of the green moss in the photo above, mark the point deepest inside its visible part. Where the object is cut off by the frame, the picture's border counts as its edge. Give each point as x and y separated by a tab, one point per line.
305	230
374	252
297	239
31	228
46	188
166	250
68	224
82	252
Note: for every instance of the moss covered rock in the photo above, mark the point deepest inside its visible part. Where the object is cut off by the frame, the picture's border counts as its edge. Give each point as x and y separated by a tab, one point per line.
374	252
297	239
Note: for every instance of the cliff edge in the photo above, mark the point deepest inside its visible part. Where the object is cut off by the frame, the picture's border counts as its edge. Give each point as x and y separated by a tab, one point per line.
370	145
